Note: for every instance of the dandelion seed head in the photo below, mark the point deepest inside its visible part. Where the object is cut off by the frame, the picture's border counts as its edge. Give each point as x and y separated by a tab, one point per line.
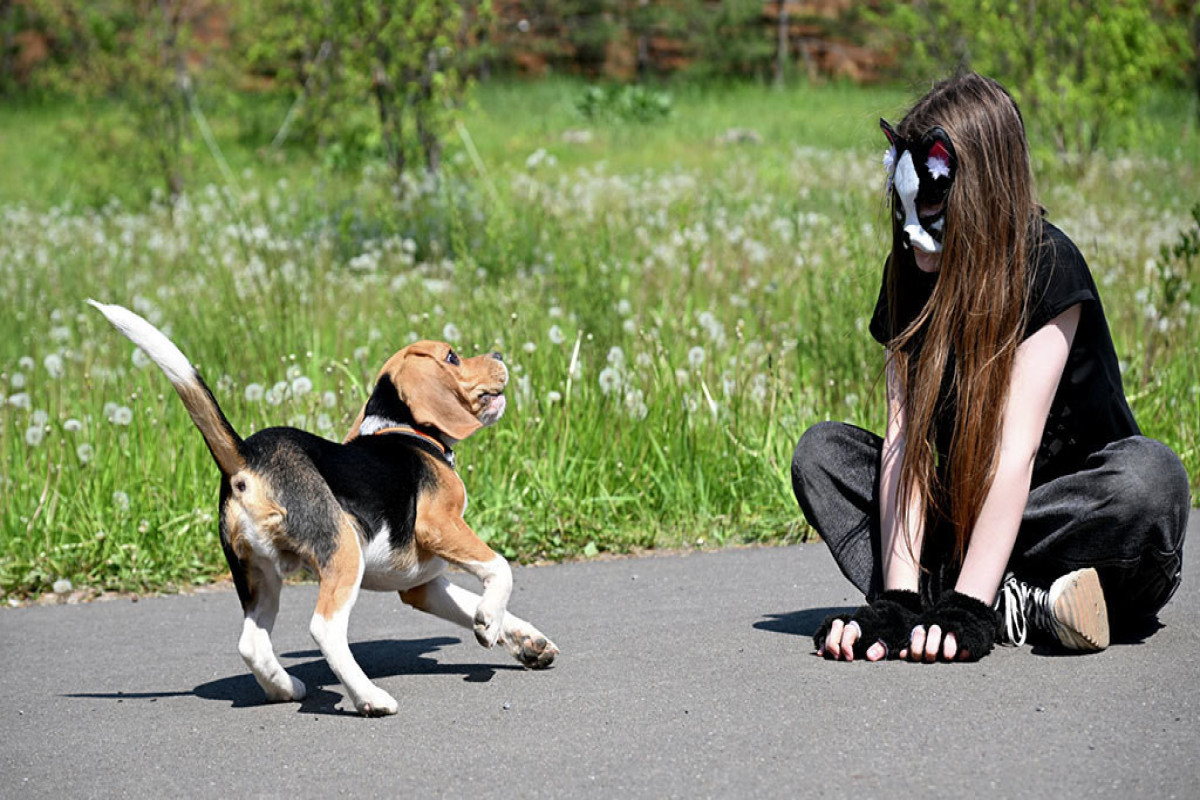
54	365
556	335
34	435
635	404
85	453
610	380
123	415
17	380
120	500
277	393
140	359
72	425
254	392
451	333
301	386
696	357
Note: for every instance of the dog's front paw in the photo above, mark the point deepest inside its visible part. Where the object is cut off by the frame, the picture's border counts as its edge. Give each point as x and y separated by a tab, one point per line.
376	703
286	694
533	650
487	626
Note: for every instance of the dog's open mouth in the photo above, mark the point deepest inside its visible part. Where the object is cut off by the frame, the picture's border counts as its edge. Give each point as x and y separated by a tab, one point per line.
491	407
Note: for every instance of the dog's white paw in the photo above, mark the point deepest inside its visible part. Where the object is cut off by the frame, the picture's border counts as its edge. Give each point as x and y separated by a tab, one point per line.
487	626
531	648
376	703
299	691
286	694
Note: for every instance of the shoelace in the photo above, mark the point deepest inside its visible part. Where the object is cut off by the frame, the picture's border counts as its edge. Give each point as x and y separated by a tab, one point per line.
1023	605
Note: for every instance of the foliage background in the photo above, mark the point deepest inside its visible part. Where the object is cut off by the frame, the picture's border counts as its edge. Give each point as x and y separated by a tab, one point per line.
679	268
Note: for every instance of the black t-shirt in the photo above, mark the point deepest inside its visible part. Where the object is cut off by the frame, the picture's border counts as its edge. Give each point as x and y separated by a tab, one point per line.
1089	409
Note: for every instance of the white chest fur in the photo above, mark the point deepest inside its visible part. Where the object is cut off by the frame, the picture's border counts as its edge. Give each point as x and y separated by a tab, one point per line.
380	573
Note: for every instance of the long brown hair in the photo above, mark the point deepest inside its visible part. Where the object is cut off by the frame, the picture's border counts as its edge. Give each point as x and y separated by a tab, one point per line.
974	319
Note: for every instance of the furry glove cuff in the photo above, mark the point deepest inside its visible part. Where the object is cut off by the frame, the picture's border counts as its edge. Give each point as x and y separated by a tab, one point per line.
889	619
973	623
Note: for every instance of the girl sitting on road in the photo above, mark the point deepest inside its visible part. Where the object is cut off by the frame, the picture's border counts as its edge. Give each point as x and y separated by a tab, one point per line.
1012	492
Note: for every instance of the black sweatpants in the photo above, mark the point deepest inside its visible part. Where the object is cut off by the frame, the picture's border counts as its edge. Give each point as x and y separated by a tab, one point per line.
1124	513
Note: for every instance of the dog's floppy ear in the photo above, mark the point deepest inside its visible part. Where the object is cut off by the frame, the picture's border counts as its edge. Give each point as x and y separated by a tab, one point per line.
358	421
435	398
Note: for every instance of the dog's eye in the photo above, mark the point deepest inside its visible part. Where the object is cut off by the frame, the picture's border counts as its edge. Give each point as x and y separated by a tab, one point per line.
452	358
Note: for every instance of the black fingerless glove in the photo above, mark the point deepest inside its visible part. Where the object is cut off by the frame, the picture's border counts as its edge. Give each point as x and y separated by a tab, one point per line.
889	619
973	623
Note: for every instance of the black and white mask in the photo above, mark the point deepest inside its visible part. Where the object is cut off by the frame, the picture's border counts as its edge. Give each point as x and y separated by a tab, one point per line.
921	173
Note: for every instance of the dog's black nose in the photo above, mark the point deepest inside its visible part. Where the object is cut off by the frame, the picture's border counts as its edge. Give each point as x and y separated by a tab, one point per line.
498	357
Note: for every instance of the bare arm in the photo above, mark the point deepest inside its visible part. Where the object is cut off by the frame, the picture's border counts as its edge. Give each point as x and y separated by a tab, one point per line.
1037	368
1036	372
900	541
900	548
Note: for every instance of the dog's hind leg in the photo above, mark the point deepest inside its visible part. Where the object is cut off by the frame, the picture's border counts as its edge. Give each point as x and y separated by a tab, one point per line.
264	583
340	575
443	599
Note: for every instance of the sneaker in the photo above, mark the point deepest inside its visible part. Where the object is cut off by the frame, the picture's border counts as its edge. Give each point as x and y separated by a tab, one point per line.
1072	611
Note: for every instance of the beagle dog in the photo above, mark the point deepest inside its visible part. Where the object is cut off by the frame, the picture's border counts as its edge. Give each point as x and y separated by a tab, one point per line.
382	510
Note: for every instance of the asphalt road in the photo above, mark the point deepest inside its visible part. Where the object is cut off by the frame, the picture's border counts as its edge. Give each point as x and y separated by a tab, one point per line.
680	676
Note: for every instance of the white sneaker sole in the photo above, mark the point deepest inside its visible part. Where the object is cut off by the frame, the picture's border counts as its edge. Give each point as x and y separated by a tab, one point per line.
1079	613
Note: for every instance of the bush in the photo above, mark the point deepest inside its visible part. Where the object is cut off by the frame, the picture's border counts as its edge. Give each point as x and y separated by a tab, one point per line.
624	103
410	61
1082	69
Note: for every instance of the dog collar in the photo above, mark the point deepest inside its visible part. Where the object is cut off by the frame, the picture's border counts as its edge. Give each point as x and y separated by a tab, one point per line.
446	453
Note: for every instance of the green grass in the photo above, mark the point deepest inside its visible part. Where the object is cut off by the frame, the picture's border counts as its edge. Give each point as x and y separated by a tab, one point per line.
675	312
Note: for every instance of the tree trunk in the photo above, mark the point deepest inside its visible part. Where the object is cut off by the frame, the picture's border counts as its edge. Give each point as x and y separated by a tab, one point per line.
1196	50
426	132
7	78
782	51
174	128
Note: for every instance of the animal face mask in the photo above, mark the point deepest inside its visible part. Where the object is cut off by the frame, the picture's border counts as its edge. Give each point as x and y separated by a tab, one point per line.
921	173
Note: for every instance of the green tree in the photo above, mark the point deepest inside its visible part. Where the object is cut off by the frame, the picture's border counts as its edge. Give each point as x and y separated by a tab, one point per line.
410	60
1081	67
136	53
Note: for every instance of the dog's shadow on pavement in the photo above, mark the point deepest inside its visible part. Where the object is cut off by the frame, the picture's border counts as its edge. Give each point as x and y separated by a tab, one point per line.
378	659
799	623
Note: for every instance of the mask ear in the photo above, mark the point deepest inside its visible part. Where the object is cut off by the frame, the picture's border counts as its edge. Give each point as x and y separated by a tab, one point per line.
941	161
887	131
435	402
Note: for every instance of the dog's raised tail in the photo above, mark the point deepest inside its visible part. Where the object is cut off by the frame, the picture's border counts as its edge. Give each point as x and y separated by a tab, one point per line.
222	440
